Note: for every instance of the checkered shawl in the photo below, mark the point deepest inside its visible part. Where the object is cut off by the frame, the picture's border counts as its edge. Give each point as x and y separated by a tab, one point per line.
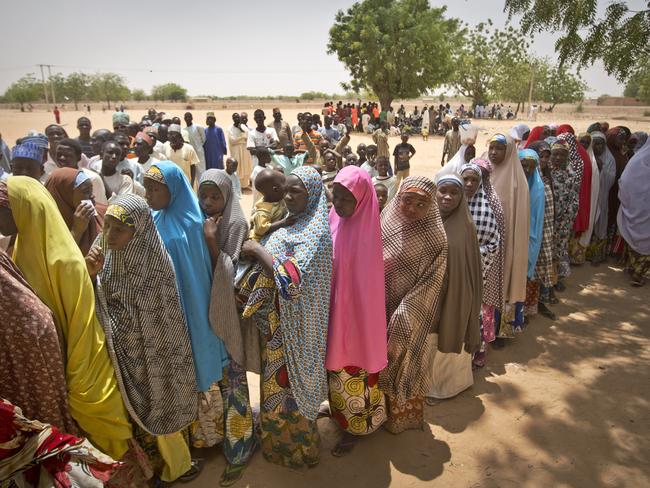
493	290
487	229
140	310
415	263
544	267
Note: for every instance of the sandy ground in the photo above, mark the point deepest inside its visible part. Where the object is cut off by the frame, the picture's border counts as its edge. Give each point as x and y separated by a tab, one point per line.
566	404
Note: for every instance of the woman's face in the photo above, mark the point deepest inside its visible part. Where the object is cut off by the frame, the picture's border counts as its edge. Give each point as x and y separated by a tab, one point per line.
497	152
82	192
544	159
297	196
7	222
585	142
211	200
559	158
598	146
528	165
413	206
448	197
157	194
117	234
343	200
470	153
471	183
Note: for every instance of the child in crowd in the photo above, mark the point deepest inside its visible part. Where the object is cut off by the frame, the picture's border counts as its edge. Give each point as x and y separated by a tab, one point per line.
263	158
330	169
403	153
288	158
390	182
351	160
369	164
115	182
382	195
231	170
269	213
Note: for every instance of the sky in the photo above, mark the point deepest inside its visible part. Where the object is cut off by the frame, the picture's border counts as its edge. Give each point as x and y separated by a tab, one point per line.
252	47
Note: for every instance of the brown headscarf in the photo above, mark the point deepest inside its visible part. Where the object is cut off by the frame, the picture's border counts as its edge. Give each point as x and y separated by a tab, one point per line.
415	261
461	307
60	184
621	161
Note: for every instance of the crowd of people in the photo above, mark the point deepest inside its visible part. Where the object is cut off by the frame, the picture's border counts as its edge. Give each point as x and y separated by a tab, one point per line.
139	292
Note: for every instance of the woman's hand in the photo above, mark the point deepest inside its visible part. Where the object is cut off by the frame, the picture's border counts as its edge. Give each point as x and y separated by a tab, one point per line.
211	226
94	261
251	249
82	215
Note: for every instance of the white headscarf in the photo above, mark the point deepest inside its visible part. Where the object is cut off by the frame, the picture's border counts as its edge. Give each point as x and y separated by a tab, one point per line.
585	238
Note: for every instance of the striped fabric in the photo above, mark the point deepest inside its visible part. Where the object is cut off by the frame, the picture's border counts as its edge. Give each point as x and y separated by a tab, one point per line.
147	337
544	267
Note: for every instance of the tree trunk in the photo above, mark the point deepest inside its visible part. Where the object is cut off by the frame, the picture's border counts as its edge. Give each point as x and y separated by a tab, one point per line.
517	109
552	107
108	101
385	102
76	107
22	107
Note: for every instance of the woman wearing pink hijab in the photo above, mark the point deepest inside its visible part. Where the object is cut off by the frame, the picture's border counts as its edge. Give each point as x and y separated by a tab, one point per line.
356	343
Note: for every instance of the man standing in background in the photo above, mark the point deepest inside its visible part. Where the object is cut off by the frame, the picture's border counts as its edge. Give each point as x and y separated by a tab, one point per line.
215	143
281	127
196	137
237	139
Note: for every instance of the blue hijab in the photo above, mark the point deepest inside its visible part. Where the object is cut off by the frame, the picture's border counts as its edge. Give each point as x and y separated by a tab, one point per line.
181	227
536	190
304	313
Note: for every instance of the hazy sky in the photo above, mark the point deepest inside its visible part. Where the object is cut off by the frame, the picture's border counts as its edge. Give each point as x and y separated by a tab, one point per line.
221	48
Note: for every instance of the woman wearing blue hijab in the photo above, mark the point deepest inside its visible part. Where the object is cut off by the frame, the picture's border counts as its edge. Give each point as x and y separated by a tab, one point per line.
530	163
179	221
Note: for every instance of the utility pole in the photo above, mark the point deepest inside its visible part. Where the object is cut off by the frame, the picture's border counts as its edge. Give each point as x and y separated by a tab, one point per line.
530	90
47	99
49	70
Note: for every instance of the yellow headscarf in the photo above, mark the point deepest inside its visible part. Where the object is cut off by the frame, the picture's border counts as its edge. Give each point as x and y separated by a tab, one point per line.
53	265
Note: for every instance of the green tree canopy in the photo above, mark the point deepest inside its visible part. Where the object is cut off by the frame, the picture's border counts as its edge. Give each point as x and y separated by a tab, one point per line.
559	85
138	95
620	38
109	87
76	87
396	48
169	91
639	84
24	90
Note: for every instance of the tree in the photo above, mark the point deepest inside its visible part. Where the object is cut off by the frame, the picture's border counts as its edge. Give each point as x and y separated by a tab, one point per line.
621	38
558	85
108	87
138	95
76	87
169	91
479	58
639	84
313	95
26	89
396	48
514	78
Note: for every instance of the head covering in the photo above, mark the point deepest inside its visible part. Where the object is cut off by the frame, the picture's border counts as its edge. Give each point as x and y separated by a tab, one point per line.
147	338
120	118
209	114
53	265
145	137
452	178
304	313
537	201
581	164
151	130
461	305
61	184
535	135
564	129
641	138
595	127
80	179
29	151
231	234
357	326
4	195
607	177
36	139
510	184
181	228
174	128
518	131
415	260
634	213
594	193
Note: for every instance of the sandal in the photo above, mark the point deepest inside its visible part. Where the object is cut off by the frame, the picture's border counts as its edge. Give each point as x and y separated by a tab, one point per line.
232	474
193	472
545	311
560	286
637	280
344	446
324	411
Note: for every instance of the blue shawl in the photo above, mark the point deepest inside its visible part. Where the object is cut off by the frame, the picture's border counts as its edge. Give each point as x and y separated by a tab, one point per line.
537	199
181	227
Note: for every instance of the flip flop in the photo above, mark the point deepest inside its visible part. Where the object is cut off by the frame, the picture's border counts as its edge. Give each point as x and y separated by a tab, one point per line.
193	472
344	447
232	474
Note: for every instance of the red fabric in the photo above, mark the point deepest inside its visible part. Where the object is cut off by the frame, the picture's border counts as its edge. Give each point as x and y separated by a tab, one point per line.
565	128
581	222
535	135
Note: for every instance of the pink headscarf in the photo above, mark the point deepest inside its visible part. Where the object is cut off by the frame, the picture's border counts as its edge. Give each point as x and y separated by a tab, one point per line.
357	327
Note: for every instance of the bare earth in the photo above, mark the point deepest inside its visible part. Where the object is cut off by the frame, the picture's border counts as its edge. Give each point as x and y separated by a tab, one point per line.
566	404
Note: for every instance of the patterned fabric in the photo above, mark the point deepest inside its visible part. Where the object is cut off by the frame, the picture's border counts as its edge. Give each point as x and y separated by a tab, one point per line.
32	372
544	268
33	453
415	261
597	250
636	262
120	213
577	253
405	415
304	293
154	173
356	402
147	337
532	297
288	438
565	191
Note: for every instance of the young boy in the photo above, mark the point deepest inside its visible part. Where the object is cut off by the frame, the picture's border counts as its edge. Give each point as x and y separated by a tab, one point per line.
369	164
382	195
390	182
263	158
231	170
269	213
403	153
330	169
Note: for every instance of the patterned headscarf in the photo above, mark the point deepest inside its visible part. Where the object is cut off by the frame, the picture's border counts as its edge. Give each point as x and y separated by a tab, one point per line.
304	313
415	261
4	195
147	337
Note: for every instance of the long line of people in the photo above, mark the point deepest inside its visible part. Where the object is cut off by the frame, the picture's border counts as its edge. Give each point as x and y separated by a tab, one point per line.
138	297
